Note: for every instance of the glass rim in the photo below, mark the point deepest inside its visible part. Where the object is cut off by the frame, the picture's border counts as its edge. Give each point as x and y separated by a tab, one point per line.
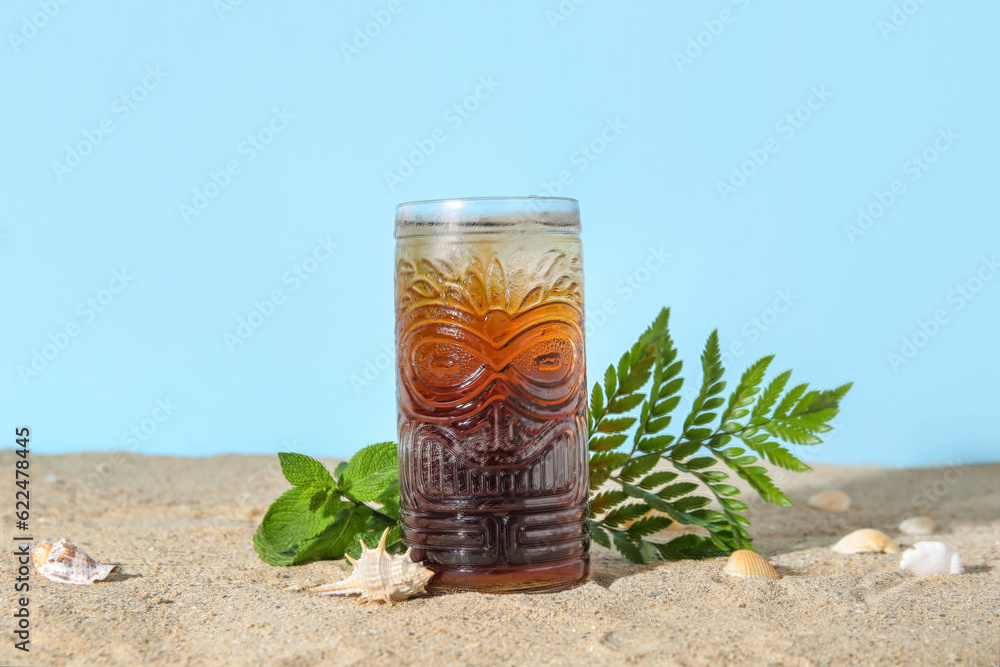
500	198
472	215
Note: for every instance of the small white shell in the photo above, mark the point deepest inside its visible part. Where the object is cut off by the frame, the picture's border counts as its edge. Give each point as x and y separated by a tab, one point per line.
866	539
749	565
931	558
67	563
831	501
918	525
381	577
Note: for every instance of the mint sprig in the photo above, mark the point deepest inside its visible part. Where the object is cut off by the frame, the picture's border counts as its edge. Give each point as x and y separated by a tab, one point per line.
324	515
642	479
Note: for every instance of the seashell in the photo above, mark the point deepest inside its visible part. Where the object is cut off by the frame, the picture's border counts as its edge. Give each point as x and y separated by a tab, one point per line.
380	577
67	563
931	558
866	539
749	565
831	501
918	525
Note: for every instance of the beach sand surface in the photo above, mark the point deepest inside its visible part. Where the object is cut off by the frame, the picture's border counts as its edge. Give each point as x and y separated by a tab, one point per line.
193	591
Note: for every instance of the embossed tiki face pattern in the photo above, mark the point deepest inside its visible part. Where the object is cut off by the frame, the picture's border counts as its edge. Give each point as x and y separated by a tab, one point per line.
492	400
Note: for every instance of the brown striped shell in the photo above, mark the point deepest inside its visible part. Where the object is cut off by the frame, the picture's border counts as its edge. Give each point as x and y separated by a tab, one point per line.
67	563
749	565
381	577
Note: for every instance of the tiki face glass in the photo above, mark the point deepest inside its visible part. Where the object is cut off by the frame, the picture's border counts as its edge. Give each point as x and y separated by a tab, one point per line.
492	391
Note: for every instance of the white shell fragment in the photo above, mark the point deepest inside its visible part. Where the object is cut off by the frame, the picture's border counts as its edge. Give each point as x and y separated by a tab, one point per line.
931	558
66	563
918	525
831	501
866	539
381	577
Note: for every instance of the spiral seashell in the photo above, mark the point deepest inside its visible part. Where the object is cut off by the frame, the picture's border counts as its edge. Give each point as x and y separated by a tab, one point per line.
381	577
66	563
831	501
866	539
749	565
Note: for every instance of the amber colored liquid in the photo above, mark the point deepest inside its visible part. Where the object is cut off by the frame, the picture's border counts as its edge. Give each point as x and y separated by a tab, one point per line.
492	418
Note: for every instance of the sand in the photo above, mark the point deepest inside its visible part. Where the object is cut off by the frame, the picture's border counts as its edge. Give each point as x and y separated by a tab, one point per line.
194	592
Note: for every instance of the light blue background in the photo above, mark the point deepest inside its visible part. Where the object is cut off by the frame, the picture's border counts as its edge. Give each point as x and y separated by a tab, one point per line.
556	84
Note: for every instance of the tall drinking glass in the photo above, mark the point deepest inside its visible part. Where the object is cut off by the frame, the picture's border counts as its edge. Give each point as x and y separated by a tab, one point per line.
491	391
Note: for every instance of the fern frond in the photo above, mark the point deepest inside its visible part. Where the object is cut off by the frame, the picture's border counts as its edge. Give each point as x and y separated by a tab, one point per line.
761	416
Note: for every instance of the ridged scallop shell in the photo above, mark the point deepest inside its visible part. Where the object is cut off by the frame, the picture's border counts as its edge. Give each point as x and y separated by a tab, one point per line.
918	525
931	558
866	539
67	563
749	565
381	577
831	501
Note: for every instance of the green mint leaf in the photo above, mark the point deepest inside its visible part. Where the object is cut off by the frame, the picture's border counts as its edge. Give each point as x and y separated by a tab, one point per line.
373	486
388	501
288	522
302	470
371	471
370	460
333	542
